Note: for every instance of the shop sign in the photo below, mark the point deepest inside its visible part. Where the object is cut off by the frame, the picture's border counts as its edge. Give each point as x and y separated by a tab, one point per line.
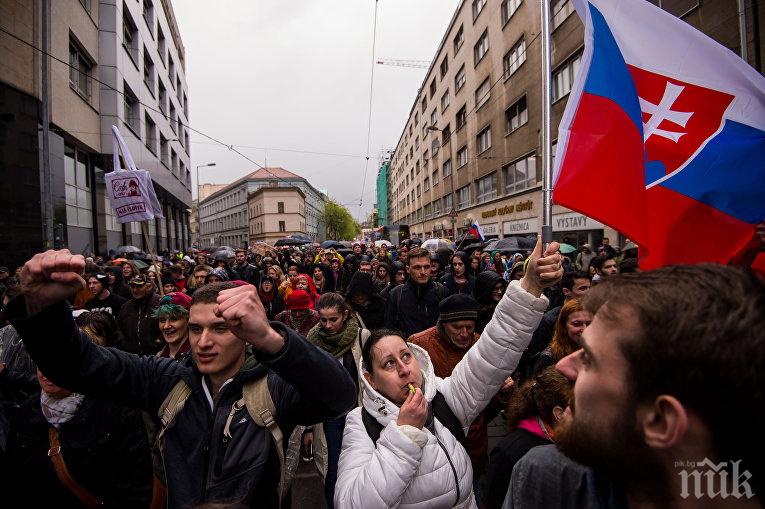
521	206
521	227
490	229
573	221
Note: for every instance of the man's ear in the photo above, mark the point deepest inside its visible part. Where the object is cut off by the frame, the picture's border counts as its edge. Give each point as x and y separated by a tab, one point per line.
557	413
664	423
566	292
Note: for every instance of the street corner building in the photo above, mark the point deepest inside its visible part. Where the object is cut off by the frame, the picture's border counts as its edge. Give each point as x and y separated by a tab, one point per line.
111	63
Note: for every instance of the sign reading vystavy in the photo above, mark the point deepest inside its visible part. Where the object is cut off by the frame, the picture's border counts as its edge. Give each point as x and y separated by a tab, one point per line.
130	191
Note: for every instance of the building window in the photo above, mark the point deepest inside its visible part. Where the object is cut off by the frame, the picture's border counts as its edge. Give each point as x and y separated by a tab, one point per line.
173	118
174	168
433	118
148	71
417	142
563	77
447	168
478	6
424	105
459	79
436	208
448	203
461	117
482	93
520	175
185	106
419	193
148	15
80	70
129	35
445	100
462	157
428	210
171	70
85	4
162	98
416	119
486	188
446	133
481	47
280	207
132	115
434	177
514	58
444	66
426	184
188	147
79	210
282	226
483	140
459	39
463	197
151	134
516	115
164	152
508	8
561	9
161	45
433	88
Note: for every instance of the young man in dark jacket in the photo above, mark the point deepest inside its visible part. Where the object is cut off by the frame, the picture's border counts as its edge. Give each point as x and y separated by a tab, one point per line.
243	270
213	453
139	332
413	306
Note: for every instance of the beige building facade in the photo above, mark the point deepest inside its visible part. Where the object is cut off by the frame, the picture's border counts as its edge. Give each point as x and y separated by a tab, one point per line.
275	212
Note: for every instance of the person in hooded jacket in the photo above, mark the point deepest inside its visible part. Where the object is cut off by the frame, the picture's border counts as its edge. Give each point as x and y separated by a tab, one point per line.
117	282
458	280
216	275
398	276
400	449
381	277
269	296
305	282
139	330
365	302
489	288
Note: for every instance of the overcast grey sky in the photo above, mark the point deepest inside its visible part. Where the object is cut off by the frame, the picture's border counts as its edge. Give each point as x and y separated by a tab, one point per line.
295	75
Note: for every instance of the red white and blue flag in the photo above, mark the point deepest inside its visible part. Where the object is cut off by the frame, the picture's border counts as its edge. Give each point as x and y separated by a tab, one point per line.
475	229
663	137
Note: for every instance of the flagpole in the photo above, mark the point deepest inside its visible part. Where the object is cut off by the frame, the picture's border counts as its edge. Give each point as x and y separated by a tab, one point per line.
546	125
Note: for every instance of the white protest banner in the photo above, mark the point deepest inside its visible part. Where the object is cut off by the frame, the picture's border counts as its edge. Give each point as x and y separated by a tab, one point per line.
130	190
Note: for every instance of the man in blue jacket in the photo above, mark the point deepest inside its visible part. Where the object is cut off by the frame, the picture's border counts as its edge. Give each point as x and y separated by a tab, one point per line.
209	457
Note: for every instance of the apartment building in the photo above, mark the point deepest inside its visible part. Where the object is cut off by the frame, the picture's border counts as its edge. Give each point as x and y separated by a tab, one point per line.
470	148
275	212
112	63
225	216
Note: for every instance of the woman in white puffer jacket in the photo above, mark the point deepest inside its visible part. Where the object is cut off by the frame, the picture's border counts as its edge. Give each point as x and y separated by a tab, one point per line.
417	462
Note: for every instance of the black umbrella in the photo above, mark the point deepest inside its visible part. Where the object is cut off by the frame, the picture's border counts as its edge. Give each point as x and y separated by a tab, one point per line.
123	250
302	236
291	242
328	244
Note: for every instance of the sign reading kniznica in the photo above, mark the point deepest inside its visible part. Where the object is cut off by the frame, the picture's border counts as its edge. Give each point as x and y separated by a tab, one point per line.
509	209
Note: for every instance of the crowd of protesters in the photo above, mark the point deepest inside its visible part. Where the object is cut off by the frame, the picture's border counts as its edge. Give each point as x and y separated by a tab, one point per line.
205	378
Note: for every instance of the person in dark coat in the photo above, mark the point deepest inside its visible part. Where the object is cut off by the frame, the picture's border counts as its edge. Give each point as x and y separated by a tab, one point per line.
117	282
398	276
489	288
364	300
458	280
104	447
242	270
139	330
213	452
413	306
534	410
269	296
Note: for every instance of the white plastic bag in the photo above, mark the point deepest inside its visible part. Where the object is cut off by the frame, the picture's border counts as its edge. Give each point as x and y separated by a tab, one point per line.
130	191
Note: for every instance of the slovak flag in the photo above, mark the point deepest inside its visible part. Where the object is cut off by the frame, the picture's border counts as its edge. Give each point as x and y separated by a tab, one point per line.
475	229
663	137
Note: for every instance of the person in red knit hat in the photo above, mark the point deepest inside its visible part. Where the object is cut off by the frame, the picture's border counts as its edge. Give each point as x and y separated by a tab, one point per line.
306	283
298	316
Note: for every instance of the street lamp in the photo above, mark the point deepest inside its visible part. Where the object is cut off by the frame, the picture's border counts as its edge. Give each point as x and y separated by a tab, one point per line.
199	222
451	185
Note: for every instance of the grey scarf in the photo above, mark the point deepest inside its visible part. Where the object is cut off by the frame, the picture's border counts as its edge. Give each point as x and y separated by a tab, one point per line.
59	411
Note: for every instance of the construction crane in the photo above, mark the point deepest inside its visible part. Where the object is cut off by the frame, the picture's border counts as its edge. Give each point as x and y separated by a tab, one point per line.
419	64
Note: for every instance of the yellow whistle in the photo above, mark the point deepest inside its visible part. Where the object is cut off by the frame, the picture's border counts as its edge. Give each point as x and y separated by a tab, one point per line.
412	388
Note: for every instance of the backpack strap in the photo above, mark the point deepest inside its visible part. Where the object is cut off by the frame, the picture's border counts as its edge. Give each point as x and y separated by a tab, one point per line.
441	411
260	405
171	407
446	417
399	289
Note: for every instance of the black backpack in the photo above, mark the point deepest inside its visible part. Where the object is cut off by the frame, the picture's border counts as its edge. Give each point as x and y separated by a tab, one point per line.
441	411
